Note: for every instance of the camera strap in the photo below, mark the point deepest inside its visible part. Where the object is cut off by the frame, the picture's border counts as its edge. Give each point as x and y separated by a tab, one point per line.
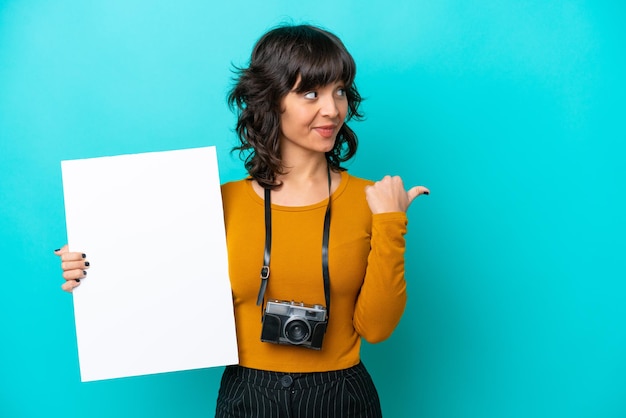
265	270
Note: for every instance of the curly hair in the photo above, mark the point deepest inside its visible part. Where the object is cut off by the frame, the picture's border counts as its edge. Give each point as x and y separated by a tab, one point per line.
283	54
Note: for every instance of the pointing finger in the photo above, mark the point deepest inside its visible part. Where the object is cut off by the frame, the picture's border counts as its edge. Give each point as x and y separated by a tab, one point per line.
416	191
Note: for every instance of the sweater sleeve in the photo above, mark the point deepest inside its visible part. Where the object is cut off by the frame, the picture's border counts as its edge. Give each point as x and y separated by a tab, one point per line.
382	298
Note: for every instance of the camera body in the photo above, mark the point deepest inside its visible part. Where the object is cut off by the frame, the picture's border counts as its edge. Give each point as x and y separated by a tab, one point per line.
294	323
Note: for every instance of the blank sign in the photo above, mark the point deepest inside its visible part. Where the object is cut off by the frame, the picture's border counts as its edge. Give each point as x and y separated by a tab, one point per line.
157	296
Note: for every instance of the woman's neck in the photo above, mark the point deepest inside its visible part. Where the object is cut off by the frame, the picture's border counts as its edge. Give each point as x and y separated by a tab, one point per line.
303	185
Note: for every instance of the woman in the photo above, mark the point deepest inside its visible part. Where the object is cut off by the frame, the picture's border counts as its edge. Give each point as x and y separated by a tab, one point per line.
331	242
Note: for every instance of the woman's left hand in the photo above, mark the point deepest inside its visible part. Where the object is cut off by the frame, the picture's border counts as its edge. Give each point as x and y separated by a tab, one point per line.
389	195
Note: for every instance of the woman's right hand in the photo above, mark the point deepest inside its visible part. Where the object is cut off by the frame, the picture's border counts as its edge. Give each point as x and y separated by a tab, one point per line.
74	267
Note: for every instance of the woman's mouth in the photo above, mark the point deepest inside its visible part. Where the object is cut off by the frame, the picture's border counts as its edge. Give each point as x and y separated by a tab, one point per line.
326	131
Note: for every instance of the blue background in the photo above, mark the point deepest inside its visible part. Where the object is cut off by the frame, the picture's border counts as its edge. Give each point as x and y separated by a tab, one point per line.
512	112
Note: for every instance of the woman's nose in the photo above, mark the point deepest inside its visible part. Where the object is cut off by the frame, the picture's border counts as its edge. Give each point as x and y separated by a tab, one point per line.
329	107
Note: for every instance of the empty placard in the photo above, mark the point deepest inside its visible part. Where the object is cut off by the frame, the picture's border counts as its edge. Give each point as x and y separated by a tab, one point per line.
157	295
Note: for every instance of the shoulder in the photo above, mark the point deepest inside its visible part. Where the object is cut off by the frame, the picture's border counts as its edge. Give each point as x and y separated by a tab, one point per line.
354	184
233	191
352	191
356	181
234	186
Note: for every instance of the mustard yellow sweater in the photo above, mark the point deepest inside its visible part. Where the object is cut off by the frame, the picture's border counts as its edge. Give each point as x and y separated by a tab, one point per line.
366	264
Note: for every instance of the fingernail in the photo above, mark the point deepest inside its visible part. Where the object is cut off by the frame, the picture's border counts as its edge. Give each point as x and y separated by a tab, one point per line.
58	249
85	272
84	255
426	192
77	280
86	263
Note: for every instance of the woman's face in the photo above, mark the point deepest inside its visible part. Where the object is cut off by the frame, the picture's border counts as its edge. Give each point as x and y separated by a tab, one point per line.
310	121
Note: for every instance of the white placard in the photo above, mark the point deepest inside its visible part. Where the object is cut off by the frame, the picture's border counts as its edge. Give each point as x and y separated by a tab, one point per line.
157	295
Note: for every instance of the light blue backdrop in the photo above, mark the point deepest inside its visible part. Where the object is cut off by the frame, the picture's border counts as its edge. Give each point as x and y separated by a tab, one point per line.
512	112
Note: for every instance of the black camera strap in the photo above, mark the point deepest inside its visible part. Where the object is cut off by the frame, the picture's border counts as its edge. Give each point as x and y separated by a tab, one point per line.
265	270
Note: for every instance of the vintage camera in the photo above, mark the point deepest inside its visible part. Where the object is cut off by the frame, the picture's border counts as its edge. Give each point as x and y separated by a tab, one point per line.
294	323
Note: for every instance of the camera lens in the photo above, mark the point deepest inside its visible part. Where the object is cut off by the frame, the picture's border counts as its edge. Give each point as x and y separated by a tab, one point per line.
297	330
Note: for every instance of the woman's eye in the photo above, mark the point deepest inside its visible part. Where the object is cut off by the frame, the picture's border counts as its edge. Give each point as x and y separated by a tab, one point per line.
341	92
310	95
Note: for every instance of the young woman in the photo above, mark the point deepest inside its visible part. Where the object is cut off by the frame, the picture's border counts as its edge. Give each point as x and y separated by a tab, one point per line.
300	228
